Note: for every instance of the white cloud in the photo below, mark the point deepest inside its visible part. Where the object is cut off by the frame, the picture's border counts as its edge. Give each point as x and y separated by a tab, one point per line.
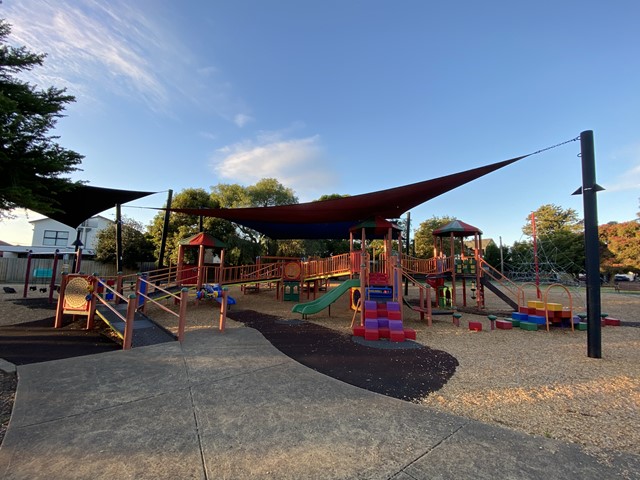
241	119
296	163
630	178
117	48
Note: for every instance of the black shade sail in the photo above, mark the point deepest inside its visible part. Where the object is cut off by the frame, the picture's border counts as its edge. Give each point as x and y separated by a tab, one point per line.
84	202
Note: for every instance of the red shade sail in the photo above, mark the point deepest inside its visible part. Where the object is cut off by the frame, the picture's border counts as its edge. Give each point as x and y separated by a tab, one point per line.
332	219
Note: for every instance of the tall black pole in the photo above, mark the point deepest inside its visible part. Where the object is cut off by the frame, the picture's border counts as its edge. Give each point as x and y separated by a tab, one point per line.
165	230
118	239
591	243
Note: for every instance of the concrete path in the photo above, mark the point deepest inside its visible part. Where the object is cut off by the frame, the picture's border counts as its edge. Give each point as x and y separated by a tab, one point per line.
231	406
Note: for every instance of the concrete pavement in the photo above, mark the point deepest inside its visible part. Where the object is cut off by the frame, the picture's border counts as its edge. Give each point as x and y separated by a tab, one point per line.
231	406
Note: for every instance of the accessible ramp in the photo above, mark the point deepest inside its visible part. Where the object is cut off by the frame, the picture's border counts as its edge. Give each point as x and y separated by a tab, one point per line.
326	300
145	331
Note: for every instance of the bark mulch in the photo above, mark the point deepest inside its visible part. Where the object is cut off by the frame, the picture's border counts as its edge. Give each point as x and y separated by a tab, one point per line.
38	341
408	371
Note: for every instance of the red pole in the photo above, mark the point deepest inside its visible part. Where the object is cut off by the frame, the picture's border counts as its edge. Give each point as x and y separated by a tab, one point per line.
128	327
535	253
182	317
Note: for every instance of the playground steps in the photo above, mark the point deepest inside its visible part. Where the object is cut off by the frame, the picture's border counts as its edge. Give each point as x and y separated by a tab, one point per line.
145	331
383	320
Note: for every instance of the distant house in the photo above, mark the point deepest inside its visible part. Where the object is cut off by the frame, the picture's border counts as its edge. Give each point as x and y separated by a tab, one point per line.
53	234
484	243
50	235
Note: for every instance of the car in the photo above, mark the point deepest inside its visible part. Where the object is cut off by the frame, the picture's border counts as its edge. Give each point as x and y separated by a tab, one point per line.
622	277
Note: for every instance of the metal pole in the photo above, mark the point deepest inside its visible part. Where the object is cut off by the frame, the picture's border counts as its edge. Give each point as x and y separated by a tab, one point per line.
118	239
591	243
165	230
535	253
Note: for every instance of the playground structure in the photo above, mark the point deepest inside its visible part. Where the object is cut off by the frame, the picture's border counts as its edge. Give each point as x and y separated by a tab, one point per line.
455	277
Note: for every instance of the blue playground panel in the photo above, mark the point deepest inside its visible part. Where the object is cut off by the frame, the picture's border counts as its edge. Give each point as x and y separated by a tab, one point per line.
381	293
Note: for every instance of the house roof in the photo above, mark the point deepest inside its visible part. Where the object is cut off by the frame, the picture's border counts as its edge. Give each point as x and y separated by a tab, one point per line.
332	219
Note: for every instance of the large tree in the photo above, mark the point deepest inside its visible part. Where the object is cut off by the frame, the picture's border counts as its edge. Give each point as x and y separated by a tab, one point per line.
136	244
622	246
32	163
182	226
423	235
550	219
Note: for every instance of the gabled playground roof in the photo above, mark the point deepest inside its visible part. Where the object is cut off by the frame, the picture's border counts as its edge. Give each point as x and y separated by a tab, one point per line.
457	228
332	219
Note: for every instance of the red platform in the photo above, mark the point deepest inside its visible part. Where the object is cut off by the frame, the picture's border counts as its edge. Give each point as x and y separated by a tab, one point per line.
358	331
612	321
477	326
371	334
409	334
396	336
504	325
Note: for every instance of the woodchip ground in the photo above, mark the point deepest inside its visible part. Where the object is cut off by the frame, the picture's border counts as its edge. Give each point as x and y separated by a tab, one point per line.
542	383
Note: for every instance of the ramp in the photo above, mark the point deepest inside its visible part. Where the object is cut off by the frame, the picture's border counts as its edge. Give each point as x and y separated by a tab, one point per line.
145	331
326	300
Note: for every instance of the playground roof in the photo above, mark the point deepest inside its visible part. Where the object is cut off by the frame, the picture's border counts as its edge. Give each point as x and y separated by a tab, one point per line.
83	202
332	219
377	227
204	239
457	228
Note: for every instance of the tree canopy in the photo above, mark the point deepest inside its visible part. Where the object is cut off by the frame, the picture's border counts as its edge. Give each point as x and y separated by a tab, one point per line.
552	219
31	161
423	235
136	244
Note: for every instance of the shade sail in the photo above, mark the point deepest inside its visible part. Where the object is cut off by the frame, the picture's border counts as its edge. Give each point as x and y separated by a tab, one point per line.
332	219
83	202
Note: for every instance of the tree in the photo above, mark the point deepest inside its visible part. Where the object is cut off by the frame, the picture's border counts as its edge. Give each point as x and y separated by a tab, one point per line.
182	226
551	218
622	242
31	161
423	235
136	245
267	192
492	255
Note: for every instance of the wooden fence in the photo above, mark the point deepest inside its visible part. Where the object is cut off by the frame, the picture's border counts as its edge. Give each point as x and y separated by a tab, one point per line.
14	270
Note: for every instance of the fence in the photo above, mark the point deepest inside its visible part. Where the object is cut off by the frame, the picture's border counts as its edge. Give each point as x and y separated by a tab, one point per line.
13	270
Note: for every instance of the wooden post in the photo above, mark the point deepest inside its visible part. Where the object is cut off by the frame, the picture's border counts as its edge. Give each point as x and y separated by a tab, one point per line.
26	278
200	278
118	287
128	327
60	306
92	302
223	310
182	317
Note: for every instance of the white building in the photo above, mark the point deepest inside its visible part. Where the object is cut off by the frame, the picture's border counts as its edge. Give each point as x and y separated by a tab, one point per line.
50	235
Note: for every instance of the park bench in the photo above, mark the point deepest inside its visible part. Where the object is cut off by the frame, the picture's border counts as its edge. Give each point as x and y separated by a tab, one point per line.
627	286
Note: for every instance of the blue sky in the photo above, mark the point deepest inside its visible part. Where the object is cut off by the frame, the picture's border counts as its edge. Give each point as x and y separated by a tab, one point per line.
345	96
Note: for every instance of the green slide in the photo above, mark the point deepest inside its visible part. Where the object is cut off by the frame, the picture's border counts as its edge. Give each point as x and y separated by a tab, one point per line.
327	299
